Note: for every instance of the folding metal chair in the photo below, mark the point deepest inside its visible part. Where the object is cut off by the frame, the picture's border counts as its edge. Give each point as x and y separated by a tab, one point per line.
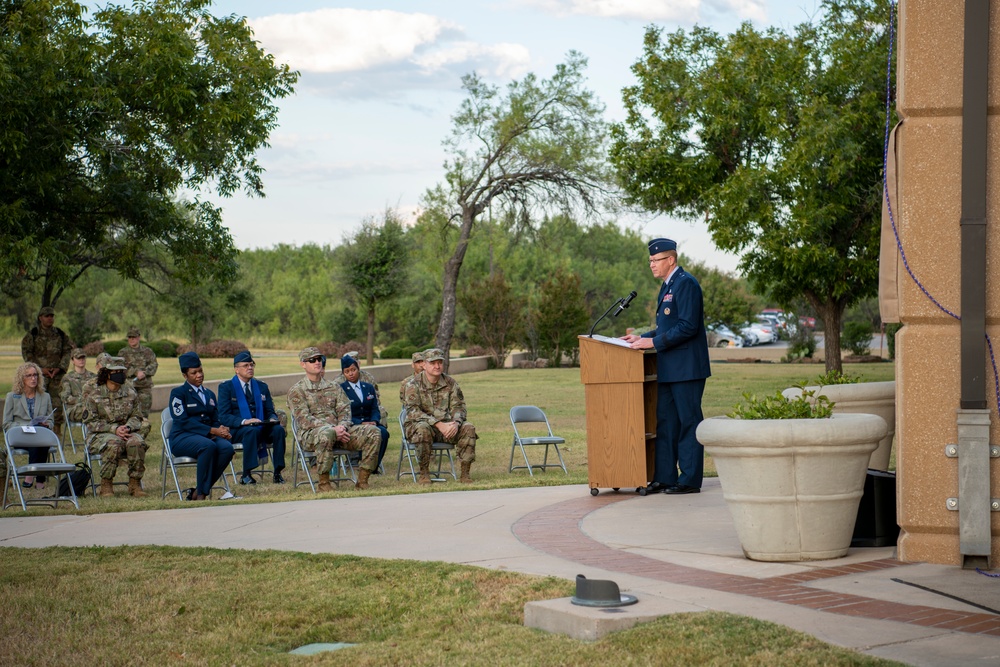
521	414
409	450
175	462
19	440
94	463
304	459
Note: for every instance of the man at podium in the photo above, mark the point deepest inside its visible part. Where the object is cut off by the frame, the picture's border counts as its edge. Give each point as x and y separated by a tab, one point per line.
682	366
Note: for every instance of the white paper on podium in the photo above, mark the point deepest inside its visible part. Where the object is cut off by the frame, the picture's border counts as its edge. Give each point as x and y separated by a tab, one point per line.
614	341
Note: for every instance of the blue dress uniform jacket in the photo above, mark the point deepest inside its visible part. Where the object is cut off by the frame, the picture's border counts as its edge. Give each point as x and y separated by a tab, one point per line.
190	434
253	437
366	410
682	365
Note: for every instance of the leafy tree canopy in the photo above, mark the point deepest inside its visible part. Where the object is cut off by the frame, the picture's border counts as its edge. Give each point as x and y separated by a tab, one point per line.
777	139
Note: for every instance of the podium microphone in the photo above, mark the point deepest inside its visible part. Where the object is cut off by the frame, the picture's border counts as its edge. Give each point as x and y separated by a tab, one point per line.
625	303
622	304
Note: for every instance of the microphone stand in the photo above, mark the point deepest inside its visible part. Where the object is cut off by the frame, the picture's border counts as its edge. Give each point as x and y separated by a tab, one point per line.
619	302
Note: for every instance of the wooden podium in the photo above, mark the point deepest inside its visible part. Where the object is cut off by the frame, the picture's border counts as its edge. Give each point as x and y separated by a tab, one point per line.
620	390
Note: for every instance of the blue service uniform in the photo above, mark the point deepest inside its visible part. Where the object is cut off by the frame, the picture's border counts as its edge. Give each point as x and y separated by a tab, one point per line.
190	434
253	436
366	410
682	366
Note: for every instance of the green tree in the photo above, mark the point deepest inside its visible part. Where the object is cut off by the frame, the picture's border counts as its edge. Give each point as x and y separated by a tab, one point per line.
540	143
108	121
561	315
495	314
374	263
777	139
727	300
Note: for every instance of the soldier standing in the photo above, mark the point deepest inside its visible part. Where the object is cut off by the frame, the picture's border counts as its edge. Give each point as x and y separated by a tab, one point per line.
113	417
48	346
322	413
417	363
435	411
73	383
142	367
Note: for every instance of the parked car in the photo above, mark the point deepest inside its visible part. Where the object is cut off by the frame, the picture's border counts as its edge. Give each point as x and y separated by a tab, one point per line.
766	332
778	323
720	335
807	322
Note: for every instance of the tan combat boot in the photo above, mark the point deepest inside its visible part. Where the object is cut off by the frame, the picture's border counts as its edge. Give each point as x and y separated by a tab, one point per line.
465	479
324	483
425	475
362	482
107	488
135	488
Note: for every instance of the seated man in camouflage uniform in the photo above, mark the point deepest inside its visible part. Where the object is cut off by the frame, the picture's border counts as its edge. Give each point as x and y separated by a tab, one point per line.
435	412
322	413
73	383
113	416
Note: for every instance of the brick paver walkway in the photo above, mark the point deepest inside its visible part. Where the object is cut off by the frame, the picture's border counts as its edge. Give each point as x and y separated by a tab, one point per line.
555	530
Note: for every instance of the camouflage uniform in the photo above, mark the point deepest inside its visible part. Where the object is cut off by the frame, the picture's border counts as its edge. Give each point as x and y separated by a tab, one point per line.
72	393
49	348
370	379
91	385
141	359
103	412
427	404
317	408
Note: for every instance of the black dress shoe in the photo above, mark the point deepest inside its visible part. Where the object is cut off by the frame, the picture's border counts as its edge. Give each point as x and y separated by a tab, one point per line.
682	488
656	487
247	478
190	493
278	479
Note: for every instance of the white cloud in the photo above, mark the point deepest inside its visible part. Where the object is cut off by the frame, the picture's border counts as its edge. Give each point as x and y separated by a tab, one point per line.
350	41
680	11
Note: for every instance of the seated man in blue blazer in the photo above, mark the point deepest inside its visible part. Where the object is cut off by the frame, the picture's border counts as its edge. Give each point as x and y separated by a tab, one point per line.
246	407
196	430
364	401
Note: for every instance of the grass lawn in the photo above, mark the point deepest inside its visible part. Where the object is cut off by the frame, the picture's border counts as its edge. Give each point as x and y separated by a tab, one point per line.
101	606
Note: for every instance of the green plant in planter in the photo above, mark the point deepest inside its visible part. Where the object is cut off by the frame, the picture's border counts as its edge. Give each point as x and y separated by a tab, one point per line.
807	405
837	377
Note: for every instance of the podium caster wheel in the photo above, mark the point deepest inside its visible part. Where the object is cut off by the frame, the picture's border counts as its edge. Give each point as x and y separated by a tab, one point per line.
615	489
641	490
594	492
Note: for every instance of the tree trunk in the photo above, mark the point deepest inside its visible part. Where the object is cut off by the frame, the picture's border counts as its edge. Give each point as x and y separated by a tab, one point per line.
449	289
831	312
371	334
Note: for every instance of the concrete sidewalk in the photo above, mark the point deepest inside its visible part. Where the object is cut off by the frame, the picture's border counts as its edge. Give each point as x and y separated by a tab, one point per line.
675	553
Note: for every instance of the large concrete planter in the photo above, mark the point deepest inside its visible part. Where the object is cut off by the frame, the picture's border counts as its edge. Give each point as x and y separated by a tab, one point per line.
793	485
873	398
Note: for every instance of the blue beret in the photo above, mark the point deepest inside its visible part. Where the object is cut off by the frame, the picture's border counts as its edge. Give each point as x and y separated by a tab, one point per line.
189	360
657	246
242	357
347	361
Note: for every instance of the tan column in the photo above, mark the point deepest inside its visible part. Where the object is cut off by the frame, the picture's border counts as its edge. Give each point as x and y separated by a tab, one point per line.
929	148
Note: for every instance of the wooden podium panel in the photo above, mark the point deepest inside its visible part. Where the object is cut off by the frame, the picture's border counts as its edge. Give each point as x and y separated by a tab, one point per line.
620	390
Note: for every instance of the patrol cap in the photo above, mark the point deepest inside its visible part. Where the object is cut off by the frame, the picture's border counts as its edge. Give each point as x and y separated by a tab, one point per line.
309	353
657	246
102	359
133	332
77	353
433	354
118	363
189	360
417	357
46	310
347	361
242	357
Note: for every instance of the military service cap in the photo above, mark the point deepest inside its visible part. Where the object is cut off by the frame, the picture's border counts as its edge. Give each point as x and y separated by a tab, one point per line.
433	354
309	353
416	357
133	332
46	310
102	359
116	364
77	353
657	246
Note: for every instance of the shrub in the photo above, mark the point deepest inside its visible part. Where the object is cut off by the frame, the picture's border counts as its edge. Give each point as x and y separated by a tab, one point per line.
803	344
94	349
857	338
329	349
890	337
112	347
475	351
217	349
401	349
805	406
836	377
163	348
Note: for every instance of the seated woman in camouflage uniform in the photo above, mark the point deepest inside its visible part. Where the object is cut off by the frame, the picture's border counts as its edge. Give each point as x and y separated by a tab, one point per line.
72	386
113	415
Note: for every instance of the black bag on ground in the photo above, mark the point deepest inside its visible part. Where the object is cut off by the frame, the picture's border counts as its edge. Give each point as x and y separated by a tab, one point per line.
80	479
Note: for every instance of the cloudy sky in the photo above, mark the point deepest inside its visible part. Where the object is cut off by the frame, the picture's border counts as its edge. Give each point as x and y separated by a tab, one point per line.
380	81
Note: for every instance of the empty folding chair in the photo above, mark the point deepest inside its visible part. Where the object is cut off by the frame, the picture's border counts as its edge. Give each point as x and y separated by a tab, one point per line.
19	440
522	414
409	450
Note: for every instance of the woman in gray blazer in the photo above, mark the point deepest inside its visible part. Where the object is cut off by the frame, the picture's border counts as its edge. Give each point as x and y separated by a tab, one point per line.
26	401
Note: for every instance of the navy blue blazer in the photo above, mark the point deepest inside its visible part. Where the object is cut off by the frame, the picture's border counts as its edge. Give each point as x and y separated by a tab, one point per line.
366	410
189	414
229	407
680	339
